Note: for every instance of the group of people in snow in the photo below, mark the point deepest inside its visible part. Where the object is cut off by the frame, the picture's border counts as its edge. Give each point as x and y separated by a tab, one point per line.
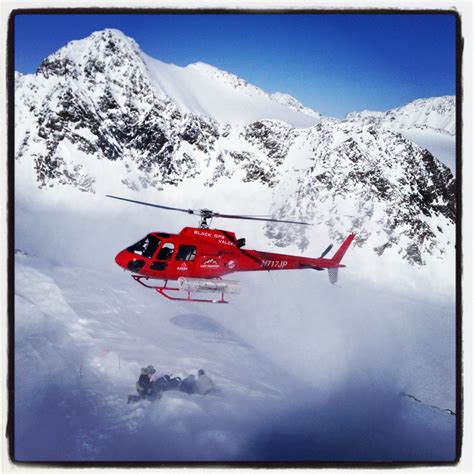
149	388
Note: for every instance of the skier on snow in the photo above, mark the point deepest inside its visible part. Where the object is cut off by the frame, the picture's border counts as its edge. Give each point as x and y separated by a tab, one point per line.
144	386
204	383
188	385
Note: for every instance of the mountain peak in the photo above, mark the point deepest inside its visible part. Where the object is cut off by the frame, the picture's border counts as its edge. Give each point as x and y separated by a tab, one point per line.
109	61
111	33
99	48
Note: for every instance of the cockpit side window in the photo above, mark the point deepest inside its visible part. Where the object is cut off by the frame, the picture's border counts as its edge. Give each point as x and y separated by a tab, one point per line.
145	247
166	251
186	252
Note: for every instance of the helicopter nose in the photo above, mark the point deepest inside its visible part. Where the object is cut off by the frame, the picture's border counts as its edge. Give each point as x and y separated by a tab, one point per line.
121	259
124	260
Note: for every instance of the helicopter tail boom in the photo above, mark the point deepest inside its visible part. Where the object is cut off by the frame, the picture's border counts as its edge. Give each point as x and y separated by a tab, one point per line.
274	261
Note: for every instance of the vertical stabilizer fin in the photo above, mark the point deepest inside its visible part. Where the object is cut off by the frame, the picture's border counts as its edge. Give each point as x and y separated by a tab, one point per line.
336	260
342	249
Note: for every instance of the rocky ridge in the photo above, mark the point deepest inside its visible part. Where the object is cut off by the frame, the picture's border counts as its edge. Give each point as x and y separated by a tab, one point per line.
437	113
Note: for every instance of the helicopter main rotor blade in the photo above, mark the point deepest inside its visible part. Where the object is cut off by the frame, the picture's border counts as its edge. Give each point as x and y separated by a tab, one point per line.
252	218
207	213
188	211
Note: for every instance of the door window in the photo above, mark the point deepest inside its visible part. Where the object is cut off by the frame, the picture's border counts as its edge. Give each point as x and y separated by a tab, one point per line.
186	252
166	251
158	265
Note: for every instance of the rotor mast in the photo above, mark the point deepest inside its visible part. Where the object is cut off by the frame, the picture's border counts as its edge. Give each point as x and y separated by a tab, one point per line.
205	215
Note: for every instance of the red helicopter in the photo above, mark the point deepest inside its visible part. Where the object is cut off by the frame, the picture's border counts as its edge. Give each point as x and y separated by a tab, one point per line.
198	257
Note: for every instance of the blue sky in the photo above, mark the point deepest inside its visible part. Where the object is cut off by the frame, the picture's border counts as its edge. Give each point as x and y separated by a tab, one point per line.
332	63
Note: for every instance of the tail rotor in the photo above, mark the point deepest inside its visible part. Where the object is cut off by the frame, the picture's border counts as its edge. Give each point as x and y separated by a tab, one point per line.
326	251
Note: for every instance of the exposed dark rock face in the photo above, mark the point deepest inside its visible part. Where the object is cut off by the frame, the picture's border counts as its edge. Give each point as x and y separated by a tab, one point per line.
273	138
390	182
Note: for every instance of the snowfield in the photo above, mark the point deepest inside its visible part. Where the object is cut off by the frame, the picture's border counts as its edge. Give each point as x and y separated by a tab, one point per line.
305	370
234	101
441	145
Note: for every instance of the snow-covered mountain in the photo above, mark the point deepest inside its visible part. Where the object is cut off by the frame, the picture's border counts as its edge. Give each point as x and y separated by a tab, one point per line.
430	123
438	113
102	99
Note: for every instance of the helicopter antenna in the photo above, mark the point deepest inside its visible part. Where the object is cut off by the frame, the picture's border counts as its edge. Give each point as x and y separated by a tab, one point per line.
207	214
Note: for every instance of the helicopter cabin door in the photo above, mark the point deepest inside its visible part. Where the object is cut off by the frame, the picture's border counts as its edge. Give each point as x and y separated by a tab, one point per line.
163	257
185	259
172	259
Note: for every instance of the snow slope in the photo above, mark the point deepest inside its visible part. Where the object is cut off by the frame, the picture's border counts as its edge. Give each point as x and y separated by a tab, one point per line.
305	370
441	145
438	113
202	89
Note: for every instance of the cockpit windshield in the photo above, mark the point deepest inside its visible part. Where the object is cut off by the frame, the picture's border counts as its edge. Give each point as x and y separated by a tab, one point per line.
146	247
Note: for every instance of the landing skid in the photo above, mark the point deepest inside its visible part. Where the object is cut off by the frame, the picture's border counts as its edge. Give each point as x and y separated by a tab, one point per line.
162	289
